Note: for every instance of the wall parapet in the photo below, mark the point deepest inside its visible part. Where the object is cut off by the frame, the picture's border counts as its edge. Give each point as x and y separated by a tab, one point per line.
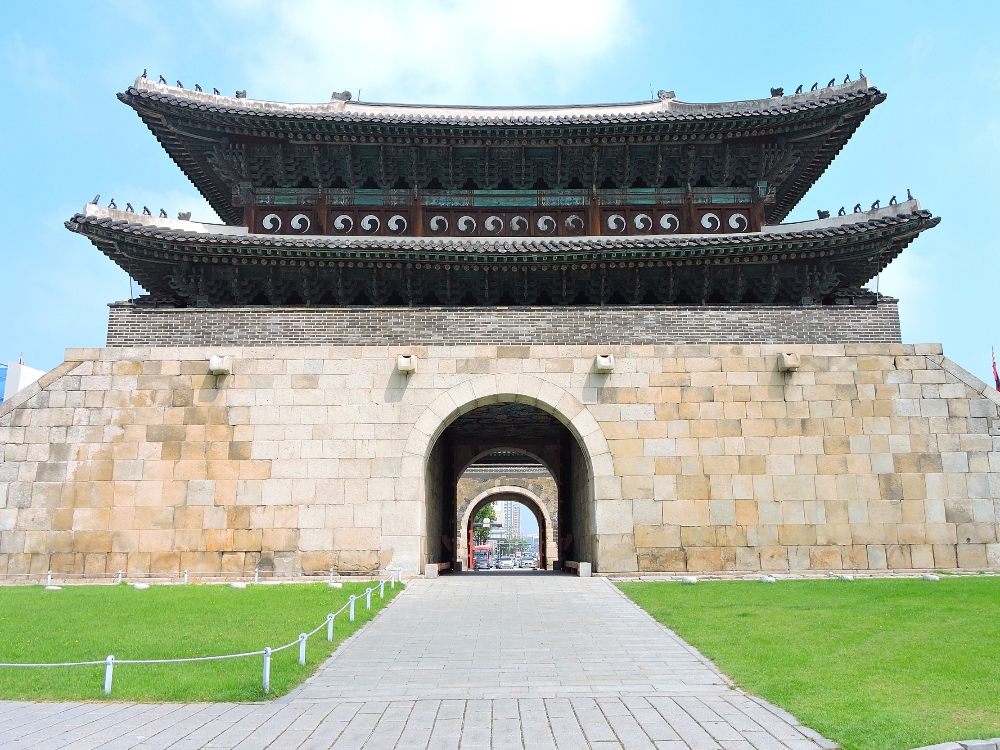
130	326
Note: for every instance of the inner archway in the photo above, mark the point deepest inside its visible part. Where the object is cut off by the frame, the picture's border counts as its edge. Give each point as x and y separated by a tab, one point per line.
513	448
511	482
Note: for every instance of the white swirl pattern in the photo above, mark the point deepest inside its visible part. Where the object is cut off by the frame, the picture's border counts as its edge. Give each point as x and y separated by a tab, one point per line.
466	225
370	223
643	222
493	225
272	222
518	225
738	222
300	223
573	223
343	224
669	223
439	224
711	222
616	223
546	224
396	224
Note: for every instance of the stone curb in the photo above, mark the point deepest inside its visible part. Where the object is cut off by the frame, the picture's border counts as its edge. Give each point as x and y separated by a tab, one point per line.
993	744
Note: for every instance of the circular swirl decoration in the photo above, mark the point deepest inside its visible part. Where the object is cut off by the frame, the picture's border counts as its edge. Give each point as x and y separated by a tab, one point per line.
371	223
493	224
616	223
711	222
573	223
466	225
519	225
739	222
272	222
300	223
438	224
669	223
643	222
344	224
396	224
546	224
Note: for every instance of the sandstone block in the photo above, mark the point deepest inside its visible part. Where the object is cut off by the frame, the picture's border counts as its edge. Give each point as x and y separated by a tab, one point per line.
661	559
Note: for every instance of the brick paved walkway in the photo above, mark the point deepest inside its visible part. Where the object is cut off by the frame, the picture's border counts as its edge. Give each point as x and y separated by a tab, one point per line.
485	660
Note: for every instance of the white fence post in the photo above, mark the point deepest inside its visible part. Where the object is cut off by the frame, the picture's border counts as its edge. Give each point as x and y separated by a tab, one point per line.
185	577
256	575
109	671
48	578
392	579
329	627
302	649
368	598
331	577
352	606
381	589
119	577
267	670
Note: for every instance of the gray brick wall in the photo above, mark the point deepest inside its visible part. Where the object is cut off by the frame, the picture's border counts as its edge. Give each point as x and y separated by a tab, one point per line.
713	324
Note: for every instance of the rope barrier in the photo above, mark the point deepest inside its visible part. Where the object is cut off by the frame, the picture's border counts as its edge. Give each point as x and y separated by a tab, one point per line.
119	575
266	652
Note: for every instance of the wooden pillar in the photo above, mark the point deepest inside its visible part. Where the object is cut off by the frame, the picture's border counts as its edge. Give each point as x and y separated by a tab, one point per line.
322	213
418	227
689	223
594	216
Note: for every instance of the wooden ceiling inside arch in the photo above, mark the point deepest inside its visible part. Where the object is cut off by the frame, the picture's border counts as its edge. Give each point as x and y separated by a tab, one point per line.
507	420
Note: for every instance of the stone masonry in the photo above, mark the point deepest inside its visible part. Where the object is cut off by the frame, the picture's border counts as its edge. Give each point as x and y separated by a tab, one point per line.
381	326
870	456
538	492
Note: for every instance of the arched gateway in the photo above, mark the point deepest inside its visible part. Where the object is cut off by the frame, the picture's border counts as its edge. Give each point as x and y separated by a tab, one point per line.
538	505
521	413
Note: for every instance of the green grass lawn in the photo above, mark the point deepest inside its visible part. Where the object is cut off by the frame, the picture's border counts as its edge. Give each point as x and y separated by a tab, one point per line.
872	664
86	623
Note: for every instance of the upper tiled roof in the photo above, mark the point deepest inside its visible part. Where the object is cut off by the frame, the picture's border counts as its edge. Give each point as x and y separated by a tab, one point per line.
661	110
229	147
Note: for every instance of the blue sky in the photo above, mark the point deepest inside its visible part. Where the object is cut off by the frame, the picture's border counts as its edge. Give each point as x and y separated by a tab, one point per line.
66	137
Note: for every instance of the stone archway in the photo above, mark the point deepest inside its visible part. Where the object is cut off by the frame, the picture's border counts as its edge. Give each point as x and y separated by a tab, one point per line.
543	507
605	529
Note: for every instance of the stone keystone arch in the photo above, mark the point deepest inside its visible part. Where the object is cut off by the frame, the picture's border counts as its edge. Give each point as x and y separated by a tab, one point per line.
534	503
614	530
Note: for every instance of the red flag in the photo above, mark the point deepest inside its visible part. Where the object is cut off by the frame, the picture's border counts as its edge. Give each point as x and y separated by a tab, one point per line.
996	377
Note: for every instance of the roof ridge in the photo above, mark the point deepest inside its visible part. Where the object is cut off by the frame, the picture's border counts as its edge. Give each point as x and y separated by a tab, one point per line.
656	109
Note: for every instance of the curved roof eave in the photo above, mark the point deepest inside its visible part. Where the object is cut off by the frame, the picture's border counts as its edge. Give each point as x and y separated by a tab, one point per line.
663	110
897	219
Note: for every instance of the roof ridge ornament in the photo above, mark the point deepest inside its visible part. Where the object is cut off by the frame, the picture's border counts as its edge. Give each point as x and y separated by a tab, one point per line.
665	96
340	96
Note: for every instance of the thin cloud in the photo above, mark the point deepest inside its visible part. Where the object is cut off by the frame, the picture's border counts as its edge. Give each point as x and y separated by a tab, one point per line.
484	52
29	66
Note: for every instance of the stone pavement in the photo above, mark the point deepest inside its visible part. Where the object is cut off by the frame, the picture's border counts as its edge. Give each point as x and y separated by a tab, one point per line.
490	660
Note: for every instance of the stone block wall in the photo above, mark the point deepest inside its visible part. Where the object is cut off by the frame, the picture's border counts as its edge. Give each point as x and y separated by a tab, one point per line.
381	326
696	458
